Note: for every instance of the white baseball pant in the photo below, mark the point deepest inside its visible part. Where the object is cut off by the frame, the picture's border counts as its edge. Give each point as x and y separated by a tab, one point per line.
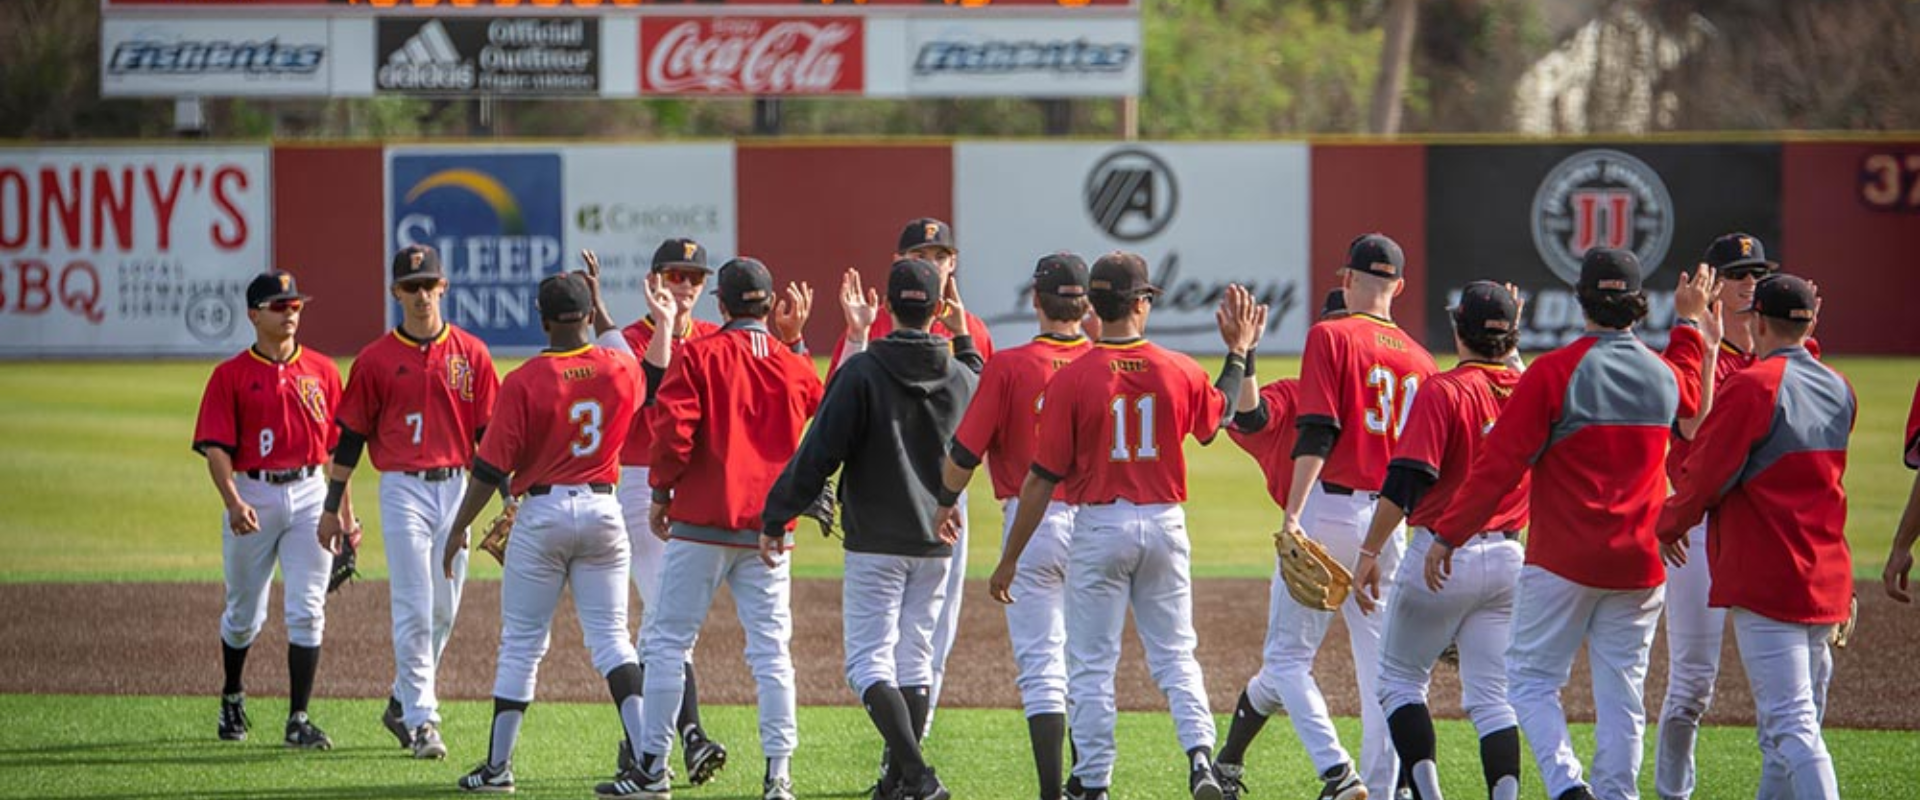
889	607
1788	665
288	514
1551	616
1294	634
569	536
1127	556
1694	633
946	629
1037	620
636	503
691	572
1474	609
416	517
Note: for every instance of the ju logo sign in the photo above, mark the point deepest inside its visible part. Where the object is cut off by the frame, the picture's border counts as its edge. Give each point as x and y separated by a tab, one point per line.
496	220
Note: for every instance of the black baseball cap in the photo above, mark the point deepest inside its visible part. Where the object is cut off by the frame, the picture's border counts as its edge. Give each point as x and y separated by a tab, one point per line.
1784	296
1486	306
680	254
1377	254
1336	303
417	262
1060	274
926	232
1121	273
743	281
1607	270
913	283
565	298
1739	252
272	285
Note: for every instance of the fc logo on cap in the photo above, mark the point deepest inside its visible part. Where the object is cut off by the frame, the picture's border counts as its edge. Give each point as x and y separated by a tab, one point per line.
1131	194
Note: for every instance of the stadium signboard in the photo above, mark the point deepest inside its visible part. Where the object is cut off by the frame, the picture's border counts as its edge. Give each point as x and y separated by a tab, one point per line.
530	56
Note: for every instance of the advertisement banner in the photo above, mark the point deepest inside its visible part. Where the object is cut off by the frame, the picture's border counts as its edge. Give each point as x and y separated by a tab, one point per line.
1851	213
758	56
1027	57
1203	216
130	251
284	57
622	201
1526	214
518	56
495	216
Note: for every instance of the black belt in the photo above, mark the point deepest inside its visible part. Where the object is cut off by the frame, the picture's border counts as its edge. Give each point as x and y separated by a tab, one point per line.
436	474
1507	535
281	476
1343	491
540	489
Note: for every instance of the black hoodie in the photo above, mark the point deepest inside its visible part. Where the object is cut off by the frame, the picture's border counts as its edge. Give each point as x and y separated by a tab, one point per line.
885	421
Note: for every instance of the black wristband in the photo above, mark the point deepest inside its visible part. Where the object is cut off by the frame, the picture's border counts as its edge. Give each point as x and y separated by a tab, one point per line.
662	496
947	498
336	491
1249	371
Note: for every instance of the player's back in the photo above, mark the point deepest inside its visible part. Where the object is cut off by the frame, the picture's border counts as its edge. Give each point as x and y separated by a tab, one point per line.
1117	419
1002	422
1360	374
1467	400
562	417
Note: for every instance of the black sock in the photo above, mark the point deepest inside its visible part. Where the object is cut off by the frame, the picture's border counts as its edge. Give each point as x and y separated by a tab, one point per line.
919	700
888	709
302	663
234	661
1500	755
1247	723
1046	731
624	684
505	731
689	721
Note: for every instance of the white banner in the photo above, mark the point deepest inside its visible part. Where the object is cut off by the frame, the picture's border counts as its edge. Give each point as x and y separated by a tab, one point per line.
622	201
122	251
278	57
1203	216
1028	57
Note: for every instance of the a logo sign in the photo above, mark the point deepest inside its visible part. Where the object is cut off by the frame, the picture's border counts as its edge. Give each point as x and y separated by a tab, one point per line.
1041	57
214	57
1131	194
495	218
752	55
528	56
1601	198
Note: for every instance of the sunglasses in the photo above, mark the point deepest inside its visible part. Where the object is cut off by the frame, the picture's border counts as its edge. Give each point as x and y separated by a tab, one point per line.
683	276
1744	272
416	287
285	306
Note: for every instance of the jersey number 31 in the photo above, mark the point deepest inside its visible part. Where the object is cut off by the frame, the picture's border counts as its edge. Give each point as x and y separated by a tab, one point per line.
1393	398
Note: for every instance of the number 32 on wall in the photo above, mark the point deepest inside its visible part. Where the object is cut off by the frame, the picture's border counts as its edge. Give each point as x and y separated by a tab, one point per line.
1891	181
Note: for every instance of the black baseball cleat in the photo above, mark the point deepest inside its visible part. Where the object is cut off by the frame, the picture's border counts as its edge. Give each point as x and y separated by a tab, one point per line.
397	726
1202	784
1576	793
487	780
1231	778
1079	791
233	717
1342	783
304	735
705	758
636	784
927	787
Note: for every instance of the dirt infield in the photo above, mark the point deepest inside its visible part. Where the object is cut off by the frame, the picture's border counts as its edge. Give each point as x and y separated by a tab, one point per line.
160	639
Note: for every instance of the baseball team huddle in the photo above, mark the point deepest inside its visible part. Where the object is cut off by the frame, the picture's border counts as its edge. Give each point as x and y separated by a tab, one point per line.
1703	481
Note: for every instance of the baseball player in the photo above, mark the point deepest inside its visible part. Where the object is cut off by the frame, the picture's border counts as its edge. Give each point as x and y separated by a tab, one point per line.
1000	426
1111	427
1590	420
1900	558
421	396
884	423
726	419
1358	377
1268	434
265	427
680	265
1768	462
1472	606
553	439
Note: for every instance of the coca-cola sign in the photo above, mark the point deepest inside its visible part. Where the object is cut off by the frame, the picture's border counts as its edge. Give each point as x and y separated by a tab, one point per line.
752	55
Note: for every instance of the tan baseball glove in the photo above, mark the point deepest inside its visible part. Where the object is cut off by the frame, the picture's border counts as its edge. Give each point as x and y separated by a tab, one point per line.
1314	578
1843	632
495	542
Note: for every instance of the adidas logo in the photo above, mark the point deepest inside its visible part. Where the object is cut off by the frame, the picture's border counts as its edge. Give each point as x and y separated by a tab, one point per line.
428	61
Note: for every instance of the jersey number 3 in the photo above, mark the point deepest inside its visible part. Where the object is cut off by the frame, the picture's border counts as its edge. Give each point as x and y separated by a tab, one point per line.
586	414
1393	396
1144	448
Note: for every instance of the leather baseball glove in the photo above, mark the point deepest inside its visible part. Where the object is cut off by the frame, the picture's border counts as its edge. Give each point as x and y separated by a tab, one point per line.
825	510
1314	578
346	564
495	541
1843	632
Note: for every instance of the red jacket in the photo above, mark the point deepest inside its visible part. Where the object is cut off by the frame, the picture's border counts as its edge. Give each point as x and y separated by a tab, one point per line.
1768	463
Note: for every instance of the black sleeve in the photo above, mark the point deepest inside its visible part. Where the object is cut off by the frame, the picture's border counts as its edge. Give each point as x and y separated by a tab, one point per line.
479	435
347	452
1407	482
1045	475
488	473
1317	435
1232	373
202	446
966	353
1253	421
655	377
962	457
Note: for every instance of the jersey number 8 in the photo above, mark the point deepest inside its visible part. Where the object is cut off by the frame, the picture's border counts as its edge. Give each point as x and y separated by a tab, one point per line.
586	414
1393	395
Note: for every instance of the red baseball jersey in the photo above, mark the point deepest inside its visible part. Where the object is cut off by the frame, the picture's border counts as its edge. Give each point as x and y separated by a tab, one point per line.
1004	417
270	415
1445	429
638	446
1112	422
420	404
725	421
1728	361
1360	374
1913	431
883	325
561	417
1272	446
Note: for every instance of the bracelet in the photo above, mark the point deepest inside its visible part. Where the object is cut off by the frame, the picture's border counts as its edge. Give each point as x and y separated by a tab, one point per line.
1373	554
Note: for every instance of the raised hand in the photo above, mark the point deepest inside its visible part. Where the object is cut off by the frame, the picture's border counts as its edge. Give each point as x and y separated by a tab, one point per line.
661	305
953	313
1239	318
790	313
859	305
1691	296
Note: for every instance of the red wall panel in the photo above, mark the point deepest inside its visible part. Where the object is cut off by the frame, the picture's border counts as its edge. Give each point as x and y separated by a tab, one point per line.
327	231
1362	188
812	211
1851	221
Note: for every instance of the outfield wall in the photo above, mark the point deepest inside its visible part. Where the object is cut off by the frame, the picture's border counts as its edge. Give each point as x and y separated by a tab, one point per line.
145	250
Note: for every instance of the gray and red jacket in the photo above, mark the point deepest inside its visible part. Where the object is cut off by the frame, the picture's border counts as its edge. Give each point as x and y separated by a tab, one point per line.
1768	463
1591	421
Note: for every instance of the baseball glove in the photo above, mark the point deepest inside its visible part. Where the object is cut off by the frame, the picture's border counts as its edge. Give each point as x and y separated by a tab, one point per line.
346	563
1314	578
1843	632
495	542
825	510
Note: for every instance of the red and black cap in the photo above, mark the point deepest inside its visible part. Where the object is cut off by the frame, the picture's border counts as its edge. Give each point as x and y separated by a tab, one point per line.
744	281
1607	270
1060	274
1784	296
565	298
1121	273
270	286
1336	303
1738	253
417	262
1486	306
926	232
913	283
680	254
1378	255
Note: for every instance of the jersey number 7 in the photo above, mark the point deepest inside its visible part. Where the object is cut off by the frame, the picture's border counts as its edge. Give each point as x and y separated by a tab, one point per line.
1393	398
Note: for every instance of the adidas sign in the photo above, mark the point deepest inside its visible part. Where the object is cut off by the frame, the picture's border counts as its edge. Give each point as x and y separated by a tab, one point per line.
427	61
